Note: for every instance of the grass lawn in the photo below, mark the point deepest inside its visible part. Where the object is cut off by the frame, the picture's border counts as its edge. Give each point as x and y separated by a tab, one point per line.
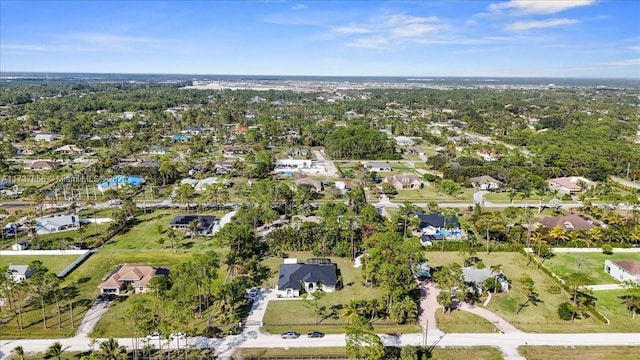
611	306
440	353
590	263
542	317
503	197
74	355
460	321
580	352
283	315
430	193
144	234
54	263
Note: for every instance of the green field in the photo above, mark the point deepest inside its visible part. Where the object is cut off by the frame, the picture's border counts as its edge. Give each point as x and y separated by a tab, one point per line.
590	263
430	193
580	352
144	233
283	315
54	263
541	317
460	321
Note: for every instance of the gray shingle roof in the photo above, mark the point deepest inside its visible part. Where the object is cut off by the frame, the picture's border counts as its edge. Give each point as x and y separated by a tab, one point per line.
292	274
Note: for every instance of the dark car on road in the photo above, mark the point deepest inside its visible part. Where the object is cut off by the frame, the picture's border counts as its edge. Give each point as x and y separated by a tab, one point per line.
315	334
290	335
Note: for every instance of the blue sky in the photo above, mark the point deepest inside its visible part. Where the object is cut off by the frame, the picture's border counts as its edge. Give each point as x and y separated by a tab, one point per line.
570	38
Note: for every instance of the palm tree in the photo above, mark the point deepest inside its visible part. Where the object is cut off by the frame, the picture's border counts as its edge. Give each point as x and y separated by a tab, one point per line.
559	233
55	351
111	350
193	228
19	351
496	269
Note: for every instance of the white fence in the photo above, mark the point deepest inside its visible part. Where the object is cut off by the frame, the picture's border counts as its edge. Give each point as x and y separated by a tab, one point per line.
42	252
588	250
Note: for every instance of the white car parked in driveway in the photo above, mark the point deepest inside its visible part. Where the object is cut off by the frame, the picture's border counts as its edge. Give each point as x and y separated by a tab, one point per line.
154	336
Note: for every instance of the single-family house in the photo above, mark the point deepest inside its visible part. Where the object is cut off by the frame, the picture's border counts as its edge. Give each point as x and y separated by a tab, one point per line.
485	183
20	273
403	181
287	166
487	154
316	274
314	184
206	223
223	167
404	141
570	184
234	150
623	270
568	222
158	150
69	149
476	278
137	276
378	166
42	165
119	181
46	137
210	181
56	223
436	226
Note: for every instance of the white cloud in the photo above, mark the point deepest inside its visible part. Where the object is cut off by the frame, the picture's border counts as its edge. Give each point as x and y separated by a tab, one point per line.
299	7
634	48
388	31
24	47
539	24
623	63
539	7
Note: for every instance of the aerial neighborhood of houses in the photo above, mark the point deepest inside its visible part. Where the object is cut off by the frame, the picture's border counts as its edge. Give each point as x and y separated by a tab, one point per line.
223	214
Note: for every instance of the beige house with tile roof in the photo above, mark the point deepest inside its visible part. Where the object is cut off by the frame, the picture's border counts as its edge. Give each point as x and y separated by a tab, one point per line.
135	275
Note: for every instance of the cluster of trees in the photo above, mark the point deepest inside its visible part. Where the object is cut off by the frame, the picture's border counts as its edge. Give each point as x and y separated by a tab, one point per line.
388	265
42	289
359	142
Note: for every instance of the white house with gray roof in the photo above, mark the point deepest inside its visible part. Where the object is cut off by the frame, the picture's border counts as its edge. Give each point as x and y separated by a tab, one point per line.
57	223
20	272
316	274
378	166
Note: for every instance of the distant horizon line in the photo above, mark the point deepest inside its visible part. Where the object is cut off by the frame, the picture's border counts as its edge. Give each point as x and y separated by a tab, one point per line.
417	77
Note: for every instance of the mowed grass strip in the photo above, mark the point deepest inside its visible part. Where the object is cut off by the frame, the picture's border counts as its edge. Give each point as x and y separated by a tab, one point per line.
55	263
590	263
580	352
440	353
460	321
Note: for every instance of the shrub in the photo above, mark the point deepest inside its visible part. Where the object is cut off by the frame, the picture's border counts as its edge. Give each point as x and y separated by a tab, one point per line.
607	249
554	289
566	311
480	265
